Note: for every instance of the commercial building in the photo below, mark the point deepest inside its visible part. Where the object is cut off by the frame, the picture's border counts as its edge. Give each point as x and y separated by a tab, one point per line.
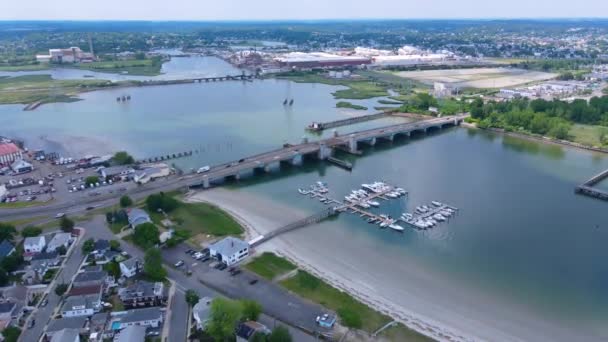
229	250
143	294
21	166
70	55
9	152
304	60
116	172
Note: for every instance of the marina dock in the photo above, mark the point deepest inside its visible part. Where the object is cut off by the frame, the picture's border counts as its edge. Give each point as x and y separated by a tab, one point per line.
588	189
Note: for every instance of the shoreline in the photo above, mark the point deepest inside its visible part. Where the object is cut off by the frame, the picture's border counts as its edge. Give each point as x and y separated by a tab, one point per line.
541	139
252	226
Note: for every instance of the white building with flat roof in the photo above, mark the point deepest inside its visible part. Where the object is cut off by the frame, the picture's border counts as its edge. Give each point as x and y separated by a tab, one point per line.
229	250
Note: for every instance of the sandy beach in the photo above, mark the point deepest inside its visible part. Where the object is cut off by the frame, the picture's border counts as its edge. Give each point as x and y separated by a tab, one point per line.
418	297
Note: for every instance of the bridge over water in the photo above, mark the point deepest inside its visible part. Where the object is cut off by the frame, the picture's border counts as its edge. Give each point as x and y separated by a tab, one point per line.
322	149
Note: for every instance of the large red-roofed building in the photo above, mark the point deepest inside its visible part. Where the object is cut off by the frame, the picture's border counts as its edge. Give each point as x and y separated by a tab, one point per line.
9	152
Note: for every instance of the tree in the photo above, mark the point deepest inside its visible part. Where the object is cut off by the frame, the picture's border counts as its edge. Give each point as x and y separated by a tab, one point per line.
223	318
251	309
3	277
61	250
91	180
115	245
191	297
7	232
123	158
31	231
153	265
11	334
66	224
88	246
279	334
161	201
350	318
113	269
258	337
126	201
60	289
146	235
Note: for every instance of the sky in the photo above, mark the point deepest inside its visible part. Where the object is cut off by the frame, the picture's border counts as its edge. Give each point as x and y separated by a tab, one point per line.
302	9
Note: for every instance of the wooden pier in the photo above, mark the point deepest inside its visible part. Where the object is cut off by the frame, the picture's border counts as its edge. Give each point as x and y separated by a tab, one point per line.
429	214
588	189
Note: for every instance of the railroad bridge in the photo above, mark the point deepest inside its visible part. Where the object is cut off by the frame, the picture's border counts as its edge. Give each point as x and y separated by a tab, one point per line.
322	149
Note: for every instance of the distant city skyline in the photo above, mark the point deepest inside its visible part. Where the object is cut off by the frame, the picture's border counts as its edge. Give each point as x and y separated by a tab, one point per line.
304	10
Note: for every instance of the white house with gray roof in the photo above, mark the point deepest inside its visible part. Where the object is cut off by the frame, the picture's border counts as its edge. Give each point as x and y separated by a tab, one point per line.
229	250
147	317
137	216
85	305
33	245
58	240
129	268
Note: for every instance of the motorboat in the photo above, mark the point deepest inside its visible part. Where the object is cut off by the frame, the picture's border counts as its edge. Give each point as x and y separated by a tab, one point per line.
439	217
363	205
373	203
303	192
437	204
384	224
396	227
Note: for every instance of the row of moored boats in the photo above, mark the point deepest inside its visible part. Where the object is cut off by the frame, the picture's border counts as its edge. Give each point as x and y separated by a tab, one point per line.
428	216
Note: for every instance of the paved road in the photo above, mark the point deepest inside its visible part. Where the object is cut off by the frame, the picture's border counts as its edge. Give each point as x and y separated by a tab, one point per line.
67	272
280	304
275	300
219	171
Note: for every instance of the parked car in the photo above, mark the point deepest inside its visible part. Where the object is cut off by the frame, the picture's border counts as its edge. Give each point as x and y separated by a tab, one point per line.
44	302
179	263
235	272
190	251
60	215
222	266
253	281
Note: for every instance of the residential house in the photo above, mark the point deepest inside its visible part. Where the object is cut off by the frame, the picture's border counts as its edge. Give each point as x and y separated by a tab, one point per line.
39	265
58	240
142	294
229	250
129	268
201	312
137	216
66	335
84	305
246	330
21	166
86	290
101	246
56	325
132	333
8	312
86	279
98	323
147	317
33	245
6	249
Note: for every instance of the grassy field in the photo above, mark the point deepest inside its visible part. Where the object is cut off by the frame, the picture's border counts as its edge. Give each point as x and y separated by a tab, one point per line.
310	287
345	104
357	89
268	265
32	88
586	134
21	204
25	67
144	67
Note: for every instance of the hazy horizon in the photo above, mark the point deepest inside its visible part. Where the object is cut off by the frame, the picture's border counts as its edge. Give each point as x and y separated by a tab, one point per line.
275	10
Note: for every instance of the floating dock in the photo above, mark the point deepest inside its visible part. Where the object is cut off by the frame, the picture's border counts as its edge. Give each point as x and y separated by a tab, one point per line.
433	210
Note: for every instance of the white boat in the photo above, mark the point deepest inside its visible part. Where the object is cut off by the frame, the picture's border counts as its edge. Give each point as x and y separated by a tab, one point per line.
322	199
363	205
408	216
437	204
439	217
384	224
421	210
303	192
373	203
396	227
391	195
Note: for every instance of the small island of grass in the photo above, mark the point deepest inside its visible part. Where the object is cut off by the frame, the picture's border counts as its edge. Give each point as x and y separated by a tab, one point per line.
345	104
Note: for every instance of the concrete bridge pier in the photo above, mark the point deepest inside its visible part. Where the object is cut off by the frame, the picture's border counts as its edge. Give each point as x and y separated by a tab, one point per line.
206	182
296	160
324	151
390	137
372	141
352	144
267	168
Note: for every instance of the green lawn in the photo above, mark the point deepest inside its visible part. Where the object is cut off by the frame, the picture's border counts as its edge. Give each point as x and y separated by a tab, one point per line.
144	67
25	67
357	89
586	134
268	265
21	204
32	88
344	104
201	218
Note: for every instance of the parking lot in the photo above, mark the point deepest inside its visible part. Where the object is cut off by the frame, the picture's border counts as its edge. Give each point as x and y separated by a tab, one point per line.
57	182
